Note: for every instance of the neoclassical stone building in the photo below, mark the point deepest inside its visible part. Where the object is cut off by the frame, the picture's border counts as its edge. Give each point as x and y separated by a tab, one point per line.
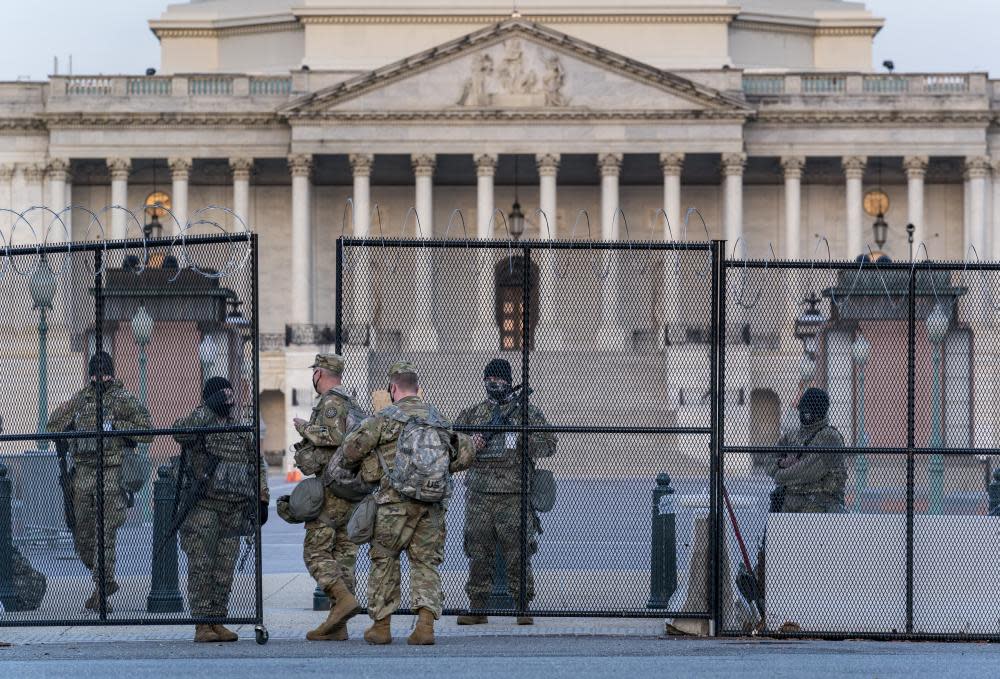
767	115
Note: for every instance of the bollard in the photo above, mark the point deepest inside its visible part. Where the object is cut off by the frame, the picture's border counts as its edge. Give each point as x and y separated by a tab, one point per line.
993	491
500	597
663	557
7	594
164	597
321	602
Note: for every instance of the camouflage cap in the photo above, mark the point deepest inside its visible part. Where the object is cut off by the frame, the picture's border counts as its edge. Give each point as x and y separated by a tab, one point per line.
400	367
332	362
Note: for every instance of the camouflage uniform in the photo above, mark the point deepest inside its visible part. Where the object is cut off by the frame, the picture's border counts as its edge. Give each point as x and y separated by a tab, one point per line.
121	411
402	524
493	499
815	481
327	552
210	534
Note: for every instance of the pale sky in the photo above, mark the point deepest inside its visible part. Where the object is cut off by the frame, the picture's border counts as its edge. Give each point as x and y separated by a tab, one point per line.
111	36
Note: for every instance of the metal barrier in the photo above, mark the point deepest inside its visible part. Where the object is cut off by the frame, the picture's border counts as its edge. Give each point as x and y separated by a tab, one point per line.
118	333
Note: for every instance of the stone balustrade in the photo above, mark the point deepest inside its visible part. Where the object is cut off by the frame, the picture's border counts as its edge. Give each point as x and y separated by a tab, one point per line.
778	84
182	85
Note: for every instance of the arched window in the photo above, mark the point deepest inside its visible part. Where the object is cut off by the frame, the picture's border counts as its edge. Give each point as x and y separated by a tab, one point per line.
509	279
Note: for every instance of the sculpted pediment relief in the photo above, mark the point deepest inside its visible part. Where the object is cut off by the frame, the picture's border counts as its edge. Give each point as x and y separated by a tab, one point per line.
515	67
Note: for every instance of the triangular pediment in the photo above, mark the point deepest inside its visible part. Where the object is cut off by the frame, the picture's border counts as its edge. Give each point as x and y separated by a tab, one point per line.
517	66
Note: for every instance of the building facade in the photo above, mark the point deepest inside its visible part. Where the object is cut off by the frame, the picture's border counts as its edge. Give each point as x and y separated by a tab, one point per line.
766	115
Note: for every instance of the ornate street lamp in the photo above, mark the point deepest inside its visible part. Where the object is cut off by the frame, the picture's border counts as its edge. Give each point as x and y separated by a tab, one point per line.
515	219
142	331
880	229
208	351
42	286
937	328
808	326
860	351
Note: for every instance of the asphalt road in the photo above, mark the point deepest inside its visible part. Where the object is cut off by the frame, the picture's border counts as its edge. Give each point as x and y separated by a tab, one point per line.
551	657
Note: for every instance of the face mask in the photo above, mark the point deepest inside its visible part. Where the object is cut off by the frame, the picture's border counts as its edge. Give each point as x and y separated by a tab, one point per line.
392	398
497	391
315	381
807	418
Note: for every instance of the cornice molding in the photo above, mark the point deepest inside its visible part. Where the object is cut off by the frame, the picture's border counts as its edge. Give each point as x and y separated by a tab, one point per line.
692	18
555	115
22	125
126	120
228	31
875	117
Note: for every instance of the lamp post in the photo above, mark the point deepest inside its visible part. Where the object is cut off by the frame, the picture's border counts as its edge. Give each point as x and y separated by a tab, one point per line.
860	351
142	330
937	328
807	328
43	289
208	350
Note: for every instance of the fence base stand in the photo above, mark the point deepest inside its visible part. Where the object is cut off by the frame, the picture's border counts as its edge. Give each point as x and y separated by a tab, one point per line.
7	594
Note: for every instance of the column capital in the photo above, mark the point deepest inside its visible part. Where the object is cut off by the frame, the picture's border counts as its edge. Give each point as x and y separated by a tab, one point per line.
423	164
119	168
300	164
915	166
180	168
486	164
58	168
6	172
733	164
610	164
361	164
34	172
793	166
854	166
976	167
548	164
672	164
241	167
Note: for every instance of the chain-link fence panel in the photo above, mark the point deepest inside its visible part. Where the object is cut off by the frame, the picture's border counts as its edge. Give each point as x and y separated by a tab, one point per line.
130	460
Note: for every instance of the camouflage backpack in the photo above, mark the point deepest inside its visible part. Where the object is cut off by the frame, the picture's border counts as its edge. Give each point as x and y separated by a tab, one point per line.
346	484
423	454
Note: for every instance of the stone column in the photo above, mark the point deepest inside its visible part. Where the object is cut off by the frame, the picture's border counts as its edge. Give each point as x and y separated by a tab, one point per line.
995	245
611	335
6	199
548	334
793	167
854	172
733	165
180	171
916	171
672	164
977	169
485	325
300	306
57	172
119	169
361	170
242	168
672	328
548	170
34	191
423	335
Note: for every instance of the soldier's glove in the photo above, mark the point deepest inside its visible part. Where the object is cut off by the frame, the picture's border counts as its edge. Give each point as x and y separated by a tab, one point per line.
262	512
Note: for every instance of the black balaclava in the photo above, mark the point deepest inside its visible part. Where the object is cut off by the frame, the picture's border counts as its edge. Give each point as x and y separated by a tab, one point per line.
215	397
813	406
498	368
101	363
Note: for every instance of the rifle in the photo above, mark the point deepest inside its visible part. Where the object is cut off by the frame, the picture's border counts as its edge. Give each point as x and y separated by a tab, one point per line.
66	483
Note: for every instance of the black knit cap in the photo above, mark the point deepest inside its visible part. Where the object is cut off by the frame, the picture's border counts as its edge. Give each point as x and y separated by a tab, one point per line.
101	363
816	402
214	385
498	367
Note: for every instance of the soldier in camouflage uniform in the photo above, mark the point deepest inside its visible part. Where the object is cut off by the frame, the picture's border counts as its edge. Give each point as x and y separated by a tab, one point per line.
225	469
403	524
809	482
327	552
121	411
493	498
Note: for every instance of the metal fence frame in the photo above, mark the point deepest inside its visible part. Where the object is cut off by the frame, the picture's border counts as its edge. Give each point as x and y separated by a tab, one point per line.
140	246
719	449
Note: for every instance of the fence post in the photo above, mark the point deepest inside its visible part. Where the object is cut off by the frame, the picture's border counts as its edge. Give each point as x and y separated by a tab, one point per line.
7	593
993	491
164	597
663	557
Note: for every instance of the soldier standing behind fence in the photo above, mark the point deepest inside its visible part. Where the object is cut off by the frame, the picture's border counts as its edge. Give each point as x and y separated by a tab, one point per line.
403	522
493	500
121	411
327	552
220	500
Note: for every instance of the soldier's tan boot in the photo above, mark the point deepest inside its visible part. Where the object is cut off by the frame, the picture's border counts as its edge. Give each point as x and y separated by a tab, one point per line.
423	633
380	632
225	634
472	619
525	620
338	633
204	634
93	603
345	608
